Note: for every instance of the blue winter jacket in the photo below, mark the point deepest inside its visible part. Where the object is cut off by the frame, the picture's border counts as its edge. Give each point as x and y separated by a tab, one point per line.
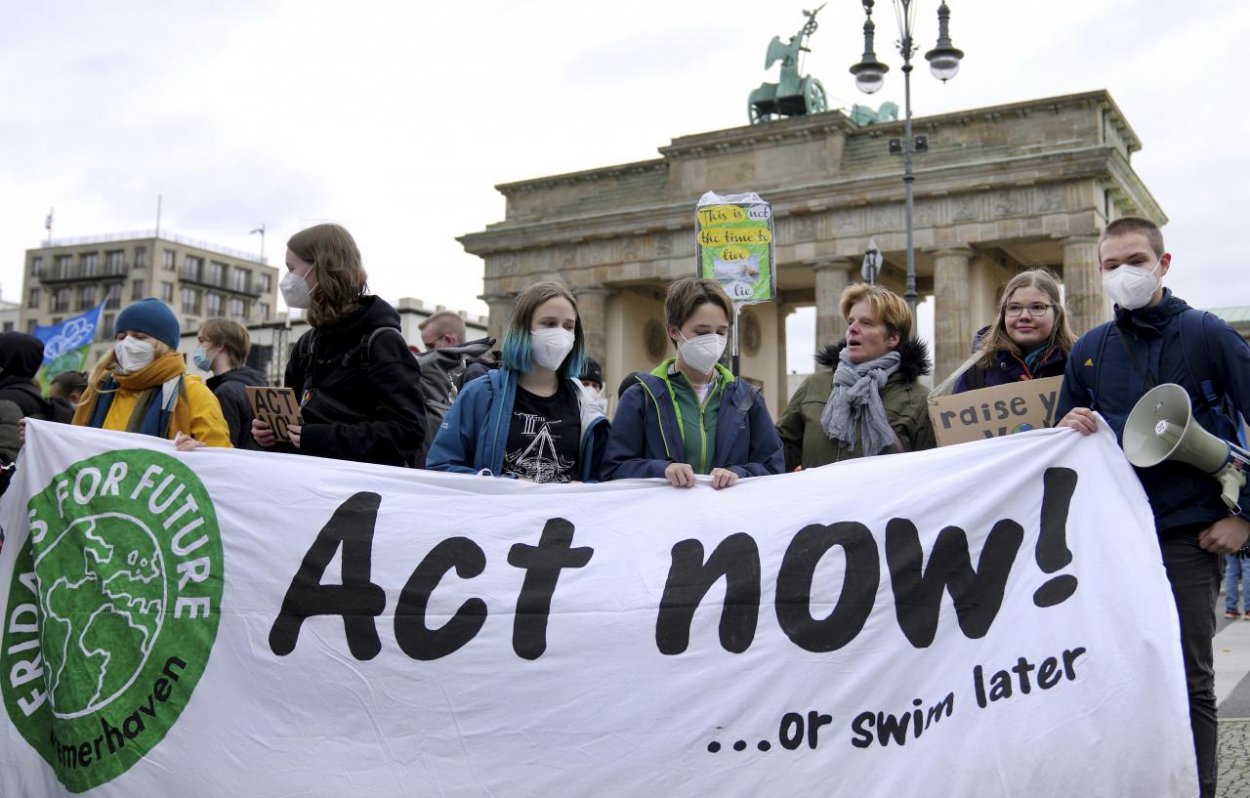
1101	376
646	437
474	433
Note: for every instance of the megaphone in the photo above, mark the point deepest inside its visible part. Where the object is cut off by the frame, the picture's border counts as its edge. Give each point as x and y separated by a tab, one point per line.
1161	427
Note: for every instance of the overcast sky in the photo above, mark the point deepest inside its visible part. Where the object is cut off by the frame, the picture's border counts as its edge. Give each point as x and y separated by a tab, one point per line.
398	119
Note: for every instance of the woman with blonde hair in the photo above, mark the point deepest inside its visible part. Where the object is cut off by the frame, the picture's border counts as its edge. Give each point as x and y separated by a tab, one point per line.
872	401
1029	339
354	375
143	386
531	418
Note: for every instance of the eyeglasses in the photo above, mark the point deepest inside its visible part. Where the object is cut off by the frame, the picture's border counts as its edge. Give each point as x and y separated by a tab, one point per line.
1034	309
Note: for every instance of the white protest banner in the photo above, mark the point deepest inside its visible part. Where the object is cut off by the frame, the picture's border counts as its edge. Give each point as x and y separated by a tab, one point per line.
992	412
990	619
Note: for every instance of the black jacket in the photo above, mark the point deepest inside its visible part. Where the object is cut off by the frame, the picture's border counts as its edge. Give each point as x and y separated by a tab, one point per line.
356	404
230	389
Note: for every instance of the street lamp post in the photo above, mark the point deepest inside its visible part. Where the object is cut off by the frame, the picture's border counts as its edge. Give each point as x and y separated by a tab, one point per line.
871	269
870	77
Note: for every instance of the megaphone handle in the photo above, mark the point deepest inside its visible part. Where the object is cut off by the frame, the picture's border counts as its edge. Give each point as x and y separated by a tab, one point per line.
1232	479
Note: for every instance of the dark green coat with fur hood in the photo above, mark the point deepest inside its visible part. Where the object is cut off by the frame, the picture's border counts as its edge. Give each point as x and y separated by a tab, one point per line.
905	398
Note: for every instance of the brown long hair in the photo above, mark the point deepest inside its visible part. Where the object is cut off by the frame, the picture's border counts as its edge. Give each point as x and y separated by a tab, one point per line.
996	338
335	259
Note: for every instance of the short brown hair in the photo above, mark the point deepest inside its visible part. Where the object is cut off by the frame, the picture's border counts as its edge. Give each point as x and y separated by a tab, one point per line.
686	295
341	280
889	307
230	336
996	338
1133	224
446	322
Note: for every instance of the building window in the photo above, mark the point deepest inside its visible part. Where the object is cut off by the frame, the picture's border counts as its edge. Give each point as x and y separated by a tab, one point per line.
213	305
192	268
216	273
239	279
30	326
36	296
115	262
62	267
86	297
107	321
90	262
238	309
8	326
60	301
113	299
167	292
167	260
138	290
262	310
36	266
141	257
266	282
190	301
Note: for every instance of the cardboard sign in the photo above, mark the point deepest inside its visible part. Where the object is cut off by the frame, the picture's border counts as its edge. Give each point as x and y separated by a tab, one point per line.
277	406
734	239
993	412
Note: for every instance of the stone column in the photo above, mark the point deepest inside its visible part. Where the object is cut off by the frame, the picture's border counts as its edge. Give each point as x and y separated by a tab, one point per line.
500	314
833	275
952	312
1083	297
783	370
592	310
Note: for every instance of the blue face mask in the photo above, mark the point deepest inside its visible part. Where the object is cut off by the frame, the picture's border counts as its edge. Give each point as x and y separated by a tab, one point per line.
201	360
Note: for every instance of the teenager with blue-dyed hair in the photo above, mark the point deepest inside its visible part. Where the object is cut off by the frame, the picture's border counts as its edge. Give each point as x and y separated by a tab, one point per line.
531	418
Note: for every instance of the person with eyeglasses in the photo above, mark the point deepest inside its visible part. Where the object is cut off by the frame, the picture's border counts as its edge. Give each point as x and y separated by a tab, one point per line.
1030	339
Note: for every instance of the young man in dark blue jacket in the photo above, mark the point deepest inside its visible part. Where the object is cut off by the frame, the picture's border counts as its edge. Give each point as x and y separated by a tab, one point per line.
1151	342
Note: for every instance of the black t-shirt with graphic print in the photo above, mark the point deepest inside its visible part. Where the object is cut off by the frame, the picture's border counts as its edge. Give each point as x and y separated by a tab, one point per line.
544	436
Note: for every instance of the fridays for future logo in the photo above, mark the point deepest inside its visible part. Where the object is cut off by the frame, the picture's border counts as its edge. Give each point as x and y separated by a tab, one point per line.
113	610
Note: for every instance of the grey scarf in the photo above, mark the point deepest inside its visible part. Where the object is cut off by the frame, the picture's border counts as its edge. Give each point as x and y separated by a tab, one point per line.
854	413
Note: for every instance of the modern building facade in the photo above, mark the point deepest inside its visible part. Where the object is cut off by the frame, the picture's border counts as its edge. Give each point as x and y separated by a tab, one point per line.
196	279
999	190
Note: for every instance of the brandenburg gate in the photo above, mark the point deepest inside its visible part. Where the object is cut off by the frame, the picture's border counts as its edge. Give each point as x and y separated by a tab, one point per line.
999	190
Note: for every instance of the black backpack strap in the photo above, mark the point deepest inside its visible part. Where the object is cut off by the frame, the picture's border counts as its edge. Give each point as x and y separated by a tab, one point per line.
366	346
1197	353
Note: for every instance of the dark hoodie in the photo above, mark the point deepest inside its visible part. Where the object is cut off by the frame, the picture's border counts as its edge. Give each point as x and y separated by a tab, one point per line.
230	389
20	357
905	398
1101	376
356	404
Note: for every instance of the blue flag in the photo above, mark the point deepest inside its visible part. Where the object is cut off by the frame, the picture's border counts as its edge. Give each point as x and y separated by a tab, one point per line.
65	345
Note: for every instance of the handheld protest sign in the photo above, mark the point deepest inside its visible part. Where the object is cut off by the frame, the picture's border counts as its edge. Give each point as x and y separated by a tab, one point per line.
276	406
734	241
993	412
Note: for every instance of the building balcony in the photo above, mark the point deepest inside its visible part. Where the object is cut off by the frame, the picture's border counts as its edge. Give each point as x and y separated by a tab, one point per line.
78	273
251	288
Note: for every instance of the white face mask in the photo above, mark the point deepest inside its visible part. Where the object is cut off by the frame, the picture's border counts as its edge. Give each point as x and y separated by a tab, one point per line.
550	346
1131	287
295	290
702	352
133	354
